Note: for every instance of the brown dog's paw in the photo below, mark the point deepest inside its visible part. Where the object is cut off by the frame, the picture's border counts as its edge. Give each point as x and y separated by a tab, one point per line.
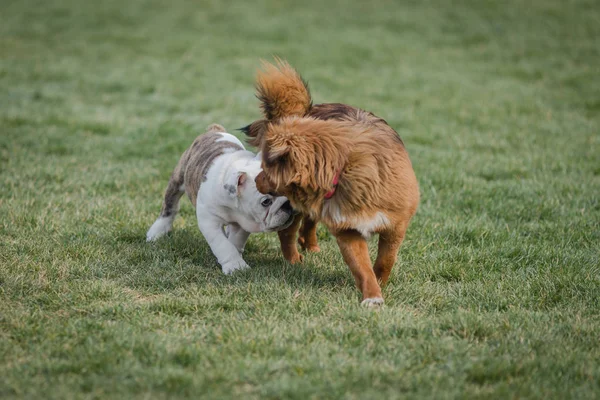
372	302
313	248
295	258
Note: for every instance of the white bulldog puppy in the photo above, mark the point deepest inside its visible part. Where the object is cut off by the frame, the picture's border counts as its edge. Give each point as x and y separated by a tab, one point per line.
218	174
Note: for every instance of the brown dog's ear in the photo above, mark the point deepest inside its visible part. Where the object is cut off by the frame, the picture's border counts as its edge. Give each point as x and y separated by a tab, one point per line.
255	132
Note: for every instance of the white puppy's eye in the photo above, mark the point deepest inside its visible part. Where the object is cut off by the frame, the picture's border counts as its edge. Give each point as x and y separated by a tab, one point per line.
266	202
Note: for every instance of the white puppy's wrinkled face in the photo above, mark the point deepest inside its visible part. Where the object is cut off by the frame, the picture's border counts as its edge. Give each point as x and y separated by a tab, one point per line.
269	213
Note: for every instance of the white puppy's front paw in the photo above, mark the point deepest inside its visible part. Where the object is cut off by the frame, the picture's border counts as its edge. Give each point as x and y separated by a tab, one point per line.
159	228
372	302
230	267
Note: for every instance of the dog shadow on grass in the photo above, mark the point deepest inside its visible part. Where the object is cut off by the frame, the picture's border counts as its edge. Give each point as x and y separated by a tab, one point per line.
183	258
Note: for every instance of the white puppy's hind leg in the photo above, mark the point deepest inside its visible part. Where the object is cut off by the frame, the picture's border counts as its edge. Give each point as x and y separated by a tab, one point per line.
160	227
170	207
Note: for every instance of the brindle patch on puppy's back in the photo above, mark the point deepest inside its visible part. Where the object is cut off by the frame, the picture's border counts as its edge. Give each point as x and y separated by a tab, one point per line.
196	160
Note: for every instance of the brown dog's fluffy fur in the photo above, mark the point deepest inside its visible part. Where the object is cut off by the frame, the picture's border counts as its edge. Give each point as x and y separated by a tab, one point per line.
305	147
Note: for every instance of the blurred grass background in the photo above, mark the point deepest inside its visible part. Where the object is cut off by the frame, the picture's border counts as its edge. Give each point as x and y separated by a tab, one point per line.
496	292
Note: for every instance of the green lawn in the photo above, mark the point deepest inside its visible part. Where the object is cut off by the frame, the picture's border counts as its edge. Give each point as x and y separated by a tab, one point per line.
496	293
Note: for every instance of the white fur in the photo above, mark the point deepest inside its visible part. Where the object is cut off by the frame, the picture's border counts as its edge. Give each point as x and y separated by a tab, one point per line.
215	208
221	202
365	226
227	137
237	236
160	227
333	212
368	226
227	208
372	302
240	211
227	253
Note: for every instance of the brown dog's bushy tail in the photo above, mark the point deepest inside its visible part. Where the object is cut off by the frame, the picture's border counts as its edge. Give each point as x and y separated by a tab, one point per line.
282	91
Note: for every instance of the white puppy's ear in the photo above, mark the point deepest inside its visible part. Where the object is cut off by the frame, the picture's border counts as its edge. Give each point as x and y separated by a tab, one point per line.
236	183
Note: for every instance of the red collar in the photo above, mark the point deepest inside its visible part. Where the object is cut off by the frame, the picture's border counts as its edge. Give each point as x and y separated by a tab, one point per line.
330	194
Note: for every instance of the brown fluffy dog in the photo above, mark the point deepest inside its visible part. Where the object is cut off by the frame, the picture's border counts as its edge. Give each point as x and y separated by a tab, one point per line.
336	164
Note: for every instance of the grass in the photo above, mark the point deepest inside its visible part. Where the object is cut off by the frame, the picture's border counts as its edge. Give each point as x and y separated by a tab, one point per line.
497	290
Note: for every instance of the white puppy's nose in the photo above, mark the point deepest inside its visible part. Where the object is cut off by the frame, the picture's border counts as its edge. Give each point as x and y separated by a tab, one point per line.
287	206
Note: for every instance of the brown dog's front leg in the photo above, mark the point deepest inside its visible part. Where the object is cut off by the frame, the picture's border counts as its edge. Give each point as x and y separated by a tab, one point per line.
308	235
287	240
356	254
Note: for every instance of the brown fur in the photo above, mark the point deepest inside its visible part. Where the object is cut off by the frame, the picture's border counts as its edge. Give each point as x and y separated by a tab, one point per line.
304	147
292	99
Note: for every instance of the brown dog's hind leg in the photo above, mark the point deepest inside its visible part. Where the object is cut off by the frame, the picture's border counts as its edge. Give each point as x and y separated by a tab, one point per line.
389	243
287	240
356	255
308	235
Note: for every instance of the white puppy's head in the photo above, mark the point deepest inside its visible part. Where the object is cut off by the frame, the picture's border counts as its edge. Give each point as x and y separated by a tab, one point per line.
269	213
